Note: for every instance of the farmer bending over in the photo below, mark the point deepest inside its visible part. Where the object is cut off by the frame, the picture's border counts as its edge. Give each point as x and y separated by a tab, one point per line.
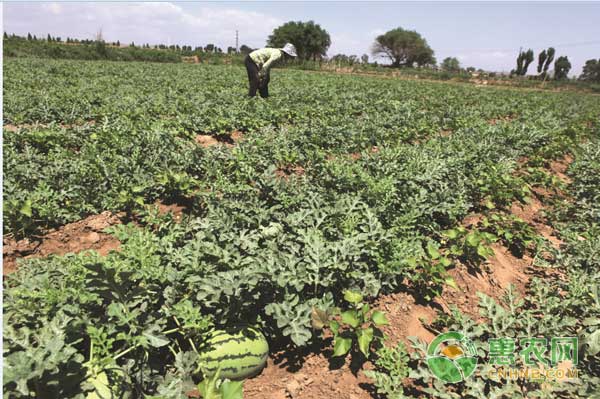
259	63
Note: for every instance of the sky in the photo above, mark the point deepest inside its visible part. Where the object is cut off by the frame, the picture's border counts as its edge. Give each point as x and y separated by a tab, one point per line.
484	35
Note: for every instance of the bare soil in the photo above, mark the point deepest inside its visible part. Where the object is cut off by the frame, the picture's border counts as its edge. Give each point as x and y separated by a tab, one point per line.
285	172
83	235
176	209
229	140
495	121
16	128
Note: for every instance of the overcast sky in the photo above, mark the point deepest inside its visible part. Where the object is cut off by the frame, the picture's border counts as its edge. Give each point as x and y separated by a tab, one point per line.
484	35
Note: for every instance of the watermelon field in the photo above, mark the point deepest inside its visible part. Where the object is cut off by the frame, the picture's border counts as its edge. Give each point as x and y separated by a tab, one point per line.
153	214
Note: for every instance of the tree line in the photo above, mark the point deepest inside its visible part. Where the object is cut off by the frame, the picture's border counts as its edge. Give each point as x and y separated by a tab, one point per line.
407	48
401	47
562	66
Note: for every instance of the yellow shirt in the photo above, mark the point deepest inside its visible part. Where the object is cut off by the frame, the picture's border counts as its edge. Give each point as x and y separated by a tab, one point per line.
265	57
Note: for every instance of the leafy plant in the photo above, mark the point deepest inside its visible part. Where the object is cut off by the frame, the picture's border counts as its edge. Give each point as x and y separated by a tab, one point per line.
514	232
355	327
391	369
471	246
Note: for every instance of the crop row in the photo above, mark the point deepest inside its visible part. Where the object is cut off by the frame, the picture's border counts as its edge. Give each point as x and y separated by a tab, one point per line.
340	183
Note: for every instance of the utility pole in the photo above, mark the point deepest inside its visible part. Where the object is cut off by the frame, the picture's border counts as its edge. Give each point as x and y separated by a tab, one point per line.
237	49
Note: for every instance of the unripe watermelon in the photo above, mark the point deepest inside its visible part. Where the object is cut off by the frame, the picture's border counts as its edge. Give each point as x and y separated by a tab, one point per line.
241	353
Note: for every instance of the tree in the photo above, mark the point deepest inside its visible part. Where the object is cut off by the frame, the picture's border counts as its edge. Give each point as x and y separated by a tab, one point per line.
545	58
209	48
310	39
340	59
541	60
5	35
562	66
403	48
451	64
364	58
29	36
49	38
523	60
591	71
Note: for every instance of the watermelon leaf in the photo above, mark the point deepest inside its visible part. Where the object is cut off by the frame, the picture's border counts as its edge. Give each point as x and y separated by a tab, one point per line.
156	341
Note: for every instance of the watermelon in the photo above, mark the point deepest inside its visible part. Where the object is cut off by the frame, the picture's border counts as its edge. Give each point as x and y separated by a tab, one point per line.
241	353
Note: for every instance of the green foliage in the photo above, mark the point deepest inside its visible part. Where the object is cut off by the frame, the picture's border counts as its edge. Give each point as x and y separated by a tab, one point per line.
537	176
523	60
545	58
472	247
310	39
92	50
355	327
591	71
564	307
340	182
562	66
214	388
450	64
391	368
515	233
499	187
404	48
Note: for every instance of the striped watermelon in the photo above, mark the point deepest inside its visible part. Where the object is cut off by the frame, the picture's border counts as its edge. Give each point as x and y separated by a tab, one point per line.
241	353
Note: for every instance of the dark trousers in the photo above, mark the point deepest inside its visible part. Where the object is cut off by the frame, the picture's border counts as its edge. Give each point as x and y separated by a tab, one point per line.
262	85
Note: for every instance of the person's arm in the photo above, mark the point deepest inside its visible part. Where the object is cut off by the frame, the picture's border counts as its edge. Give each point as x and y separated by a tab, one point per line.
275	56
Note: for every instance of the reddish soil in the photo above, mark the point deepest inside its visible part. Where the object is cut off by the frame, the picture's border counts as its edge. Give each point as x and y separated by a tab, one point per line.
83	235
406	317
495	121
559	168
285	172
10	128
315	378
205	140
229	140
15	128
532	213
177	210
357	155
